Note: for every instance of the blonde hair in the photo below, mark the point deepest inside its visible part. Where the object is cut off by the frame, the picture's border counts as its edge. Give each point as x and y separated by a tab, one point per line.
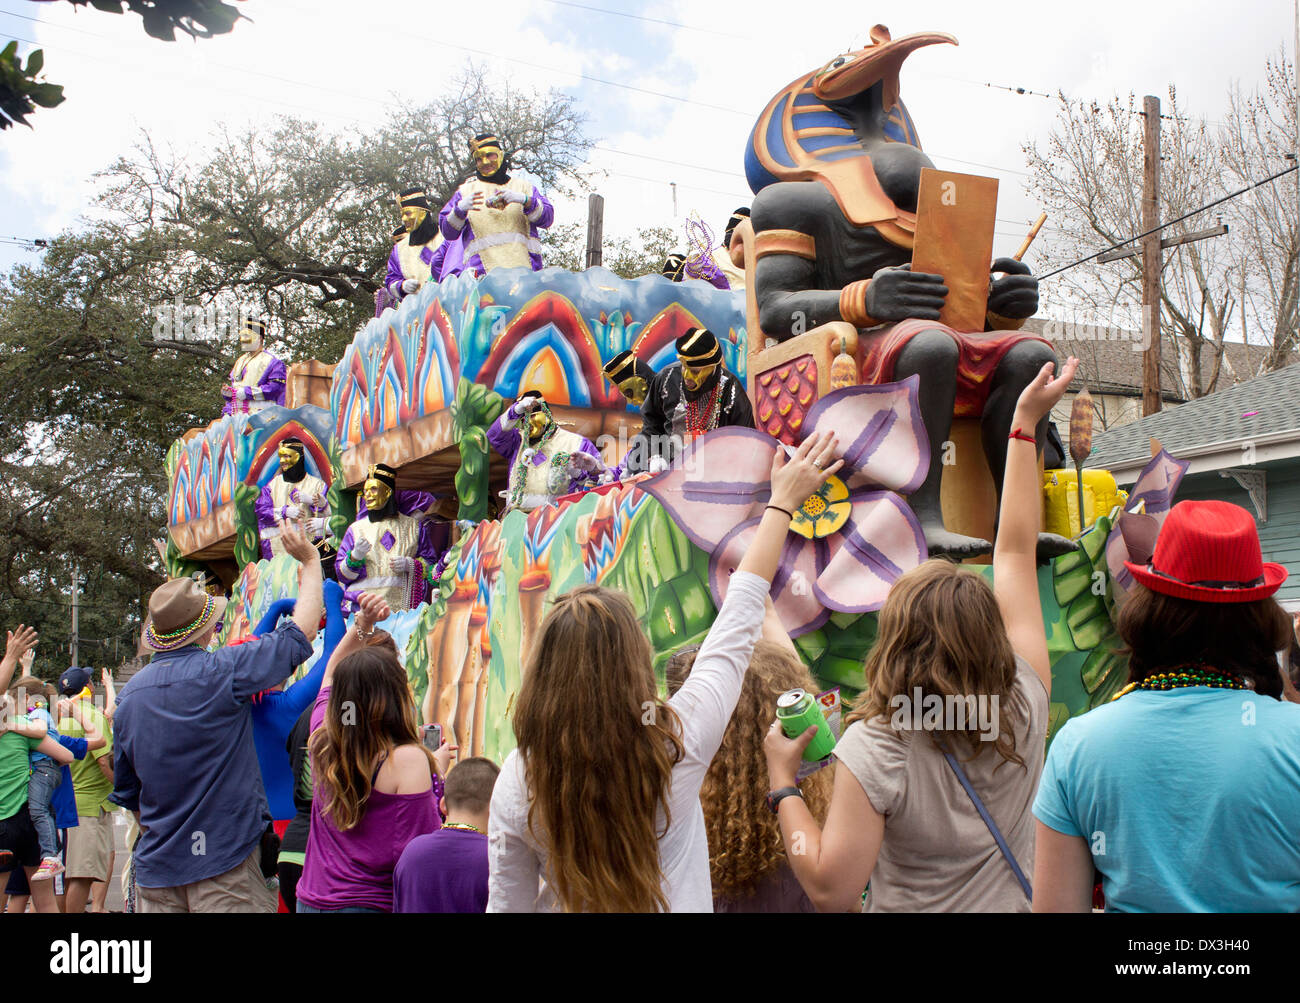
940	631
745	844
599	747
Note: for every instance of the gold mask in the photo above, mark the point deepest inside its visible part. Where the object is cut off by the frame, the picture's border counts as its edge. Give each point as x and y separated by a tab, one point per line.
693	377
376	493
288	456
488	161
537	422
412	217
250	341
635	389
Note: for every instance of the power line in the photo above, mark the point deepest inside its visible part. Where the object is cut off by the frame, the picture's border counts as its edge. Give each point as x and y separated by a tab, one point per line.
652	20
1187	215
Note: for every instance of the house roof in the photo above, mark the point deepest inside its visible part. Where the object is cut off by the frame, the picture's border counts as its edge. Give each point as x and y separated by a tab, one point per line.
1110	360
1261	411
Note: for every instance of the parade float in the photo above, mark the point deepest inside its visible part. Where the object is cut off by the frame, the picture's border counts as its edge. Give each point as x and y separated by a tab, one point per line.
814	335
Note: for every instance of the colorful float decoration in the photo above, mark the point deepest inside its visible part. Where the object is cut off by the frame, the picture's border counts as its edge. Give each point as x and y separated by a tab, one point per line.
419	387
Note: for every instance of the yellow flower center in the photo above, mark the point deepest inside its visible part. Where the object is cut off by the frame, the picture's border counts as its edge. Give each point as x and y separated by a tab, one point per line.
825	512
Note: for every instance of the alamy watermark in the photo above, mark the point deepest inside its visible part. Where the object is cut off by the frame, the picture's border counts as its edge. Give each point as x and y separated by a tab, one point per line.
952	712
220	320
1059	330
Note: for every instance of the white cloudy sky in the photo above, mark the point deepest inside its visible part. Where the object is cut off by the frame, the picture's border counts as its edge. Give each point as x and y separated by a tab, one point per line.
714	67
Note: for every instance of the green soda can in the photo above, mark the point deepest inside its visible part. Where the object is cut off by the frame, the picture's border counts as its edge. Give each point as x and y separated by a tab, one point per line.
798	710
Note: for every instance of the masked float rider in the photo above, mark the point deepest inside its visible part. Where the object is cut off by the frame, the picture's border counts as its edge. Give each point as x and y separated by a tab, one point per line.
496	219
631	377
694	395
258	377
732	265
417	256
393	549
546	461
290	496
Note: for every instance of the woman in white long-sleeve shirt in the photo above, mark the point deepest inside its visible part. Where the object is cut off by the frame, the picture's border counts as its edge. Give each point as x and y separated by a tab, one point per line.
598	809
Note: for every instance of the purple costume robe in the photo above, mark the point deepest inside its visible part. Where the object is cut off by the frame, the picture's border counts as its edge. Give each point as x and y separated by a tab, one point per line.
506	439
392	294
429	548
263	389
456	227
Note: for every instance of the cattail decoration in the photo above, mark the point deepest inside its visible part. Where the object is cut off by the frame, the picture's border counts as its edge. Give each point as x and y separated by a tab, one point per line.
1081	442
844	371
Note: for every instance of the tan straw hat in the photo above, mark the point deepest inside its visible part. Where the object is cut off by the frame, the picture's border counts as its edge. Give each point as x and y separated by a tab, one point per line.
179	611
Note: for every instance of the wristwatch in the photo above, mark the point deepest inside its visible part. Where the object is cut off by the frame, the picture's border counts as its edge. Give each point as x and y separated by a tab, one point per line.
774	798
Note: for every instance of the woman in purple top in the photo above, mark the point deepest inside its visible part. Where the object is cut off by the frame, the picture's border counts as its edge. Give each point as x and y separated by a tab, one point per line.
375	785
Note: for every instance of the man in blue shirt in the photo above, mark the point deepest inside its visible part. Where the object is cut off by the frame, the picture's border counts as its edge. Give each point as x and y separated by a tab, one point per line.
185	761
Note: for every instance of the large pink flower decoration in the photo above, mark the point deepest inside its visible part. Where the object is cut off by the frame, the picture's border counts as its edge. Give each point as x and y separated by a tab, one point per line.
850	541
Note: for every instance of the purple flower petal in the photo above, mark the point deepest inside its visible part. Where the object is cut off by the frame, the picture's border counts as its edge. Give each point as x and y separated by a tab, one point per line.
792	590
1133	537
720	481
882	437
881	540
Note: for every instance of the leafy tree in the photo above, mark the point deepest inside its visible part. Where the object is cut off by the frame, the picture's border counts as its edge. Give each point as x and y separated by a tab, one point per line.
293	223
20	91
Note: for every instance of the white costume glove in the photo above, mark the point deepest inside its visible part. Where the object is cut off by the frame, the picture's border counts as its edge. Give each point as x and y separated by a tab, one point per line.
403	565
467	203
244	393
313	500
290	512
410	286
505	196
228	391
317	527
584	465
360	549
657	465
523	406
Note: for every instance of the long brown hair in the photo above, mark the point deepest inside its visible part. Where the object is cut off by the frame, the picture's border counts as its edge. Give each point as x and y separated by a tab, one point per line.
369	714
940	631
745	842
1160	632
598	747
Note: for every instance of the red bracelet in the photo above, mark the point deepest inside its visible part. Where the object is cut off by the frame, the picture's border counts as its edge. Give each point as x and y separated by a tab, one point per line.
1017	434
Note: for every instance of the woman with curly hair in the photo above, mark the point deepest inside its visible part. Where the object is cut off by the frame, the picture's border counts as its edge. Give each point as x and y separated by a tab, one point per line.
375	786
746	856
601	798
934	809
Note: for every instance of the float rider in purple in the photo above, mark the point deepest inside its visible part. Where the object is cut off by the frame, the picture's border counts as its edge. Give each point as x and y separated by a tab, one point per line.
257	378
495	218
546	461
394	547
417	256
290	496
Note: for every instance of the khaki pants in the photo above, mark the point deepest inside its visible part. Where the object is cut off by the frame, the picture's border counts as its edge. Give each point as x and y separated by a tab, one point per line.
240	889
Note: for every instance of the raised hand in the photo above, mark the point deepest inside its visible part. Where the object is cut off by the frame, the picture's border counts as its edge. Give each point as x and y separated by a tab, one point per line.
297	544
1015	294
901	294
504	197
469	203
20	642
1043	393
795	479
371	609
360	549
409	286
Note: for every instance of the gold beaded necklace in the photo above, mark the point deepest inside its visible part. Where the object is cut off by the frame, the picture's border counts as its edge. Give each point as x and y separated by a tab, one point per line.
1186	675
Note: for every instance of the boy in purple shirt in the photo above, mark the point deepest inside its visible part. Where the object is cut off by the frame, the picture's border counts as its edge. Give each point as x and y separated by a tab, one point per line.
447	870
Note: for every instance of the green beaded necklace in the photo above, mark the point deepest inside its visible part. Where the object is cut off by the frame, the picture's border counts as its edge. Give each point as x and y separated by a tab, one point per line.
1185	675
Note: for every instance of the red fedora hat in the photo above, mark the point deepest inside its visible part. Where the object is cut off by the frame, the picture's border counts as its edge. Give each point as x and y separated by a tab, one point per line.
1208	551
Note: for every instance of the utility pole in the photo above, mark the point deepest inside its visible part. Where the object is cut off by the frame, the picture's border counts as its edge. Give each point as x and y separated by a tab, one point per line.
596	229
76	587
1151	256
